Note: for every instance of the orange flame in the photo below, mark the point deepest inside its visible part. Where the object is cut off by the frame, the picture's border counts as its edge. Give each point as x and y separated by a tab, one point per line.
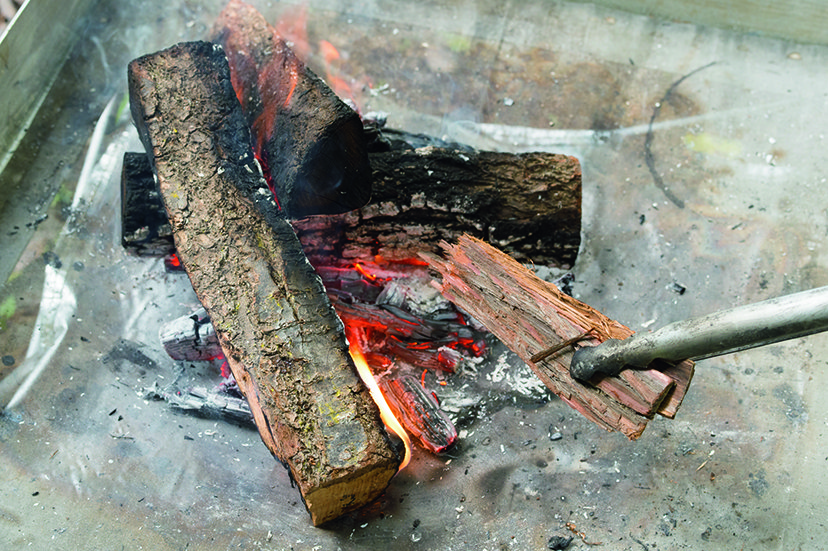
385	410
332	64
365	273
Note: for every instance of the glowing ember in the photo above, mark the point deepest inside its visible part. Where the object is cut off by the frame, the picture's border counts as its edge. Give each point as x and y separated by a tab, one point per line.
420	412
385	410
172	263
276	84
403	327
361	269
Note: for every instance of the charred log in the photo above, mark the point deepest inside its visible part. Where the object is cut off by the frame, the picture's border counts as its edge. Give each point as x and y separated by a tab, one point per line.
419	412
204	402
145	229
527	204
310	141
191	338
281	337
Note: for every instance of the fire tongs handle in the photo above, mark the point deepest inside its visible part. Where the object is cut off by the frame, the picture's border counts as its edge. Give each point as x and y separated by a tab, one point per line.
766	322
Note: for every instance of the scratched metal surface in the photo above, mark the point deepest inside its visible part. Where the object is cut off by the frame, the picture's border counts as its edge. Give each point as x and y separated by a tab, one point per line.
728	207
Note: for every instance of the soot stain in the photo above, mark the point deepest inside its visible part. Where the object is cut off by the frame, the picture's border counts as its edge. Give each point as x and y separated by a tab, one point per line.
795	409
128	352
494	481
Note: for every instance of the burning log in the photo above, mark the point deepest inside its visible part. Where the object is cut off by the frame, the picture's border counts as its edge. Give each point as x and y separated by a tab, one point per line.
310	142
528	204
528	315
418	410
280	335
315	151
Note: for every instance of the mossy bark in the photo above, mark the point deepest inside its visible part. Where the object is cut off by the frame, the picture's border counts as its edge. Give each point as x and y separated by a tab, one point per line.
283	340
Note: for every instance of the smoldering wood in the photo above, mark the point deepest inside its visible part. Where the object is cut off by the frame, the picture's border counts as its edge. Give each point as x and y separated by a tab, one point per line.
419	412
529	205
528	315
310	141
401	316
281	337
203	402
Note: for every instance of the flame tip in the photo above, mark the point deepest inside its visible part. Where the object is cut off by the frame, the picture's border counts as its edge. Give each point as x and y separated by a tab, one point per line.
386	414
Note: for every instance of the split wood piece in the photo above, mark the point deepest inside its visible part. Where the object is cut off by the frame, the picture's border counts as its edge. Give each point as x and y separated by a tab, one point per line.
419	412
282	339
191	338
528	314
527	204
310	141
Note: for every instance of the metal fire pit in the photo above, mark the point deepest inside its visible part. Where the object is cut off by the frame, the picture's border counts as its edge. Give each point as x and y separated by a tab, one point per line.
699	194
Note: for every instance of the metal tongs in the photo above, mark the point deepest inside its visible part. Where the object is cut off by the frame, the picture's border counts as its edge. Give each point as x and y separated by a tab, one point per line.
741	328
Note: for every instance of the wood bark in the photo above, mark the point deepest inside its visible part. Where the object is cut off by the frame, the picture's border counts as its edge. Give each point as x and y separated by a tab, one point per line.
282	339
528	315
310	141
528	204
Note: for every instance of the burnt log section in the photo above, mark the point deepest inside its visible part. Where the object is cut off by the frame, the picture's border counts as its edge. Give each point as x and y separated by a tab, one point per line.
310	141
527	204
145	229
529	315
282	339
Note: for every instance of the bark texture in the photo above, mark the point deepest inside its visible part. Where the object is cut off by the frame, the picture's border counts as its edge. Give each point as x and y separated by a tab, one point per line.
282	339
527	204
528	315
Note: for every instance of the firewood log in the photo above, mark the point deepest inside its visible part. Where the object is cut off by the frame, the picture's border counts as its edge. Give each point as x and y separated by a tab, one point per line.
528	315
528	204
281	337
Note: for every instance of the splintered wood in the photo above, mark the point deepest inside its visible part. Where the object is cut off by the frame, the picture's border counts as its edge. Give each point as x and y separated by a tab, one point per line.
282	339
529	315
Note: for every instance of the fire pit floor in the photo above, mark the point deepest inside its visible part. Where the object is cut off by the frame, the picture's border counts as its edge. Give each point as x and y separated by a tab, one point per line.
699	194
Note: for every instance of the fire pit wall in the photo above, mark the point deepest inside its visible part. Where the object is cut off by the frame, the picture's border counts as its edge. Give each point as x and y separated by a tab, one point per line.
689	205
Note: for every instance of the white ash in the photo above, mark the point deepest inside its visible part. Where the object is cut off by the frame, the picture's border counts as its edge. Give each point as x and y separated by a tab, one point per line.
516	375
415	294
